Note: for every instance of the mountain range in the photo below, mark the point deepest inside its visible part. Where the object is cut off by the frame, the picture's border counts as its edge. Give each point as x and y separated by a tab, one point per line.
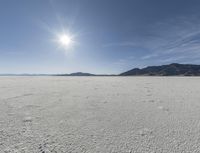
173	69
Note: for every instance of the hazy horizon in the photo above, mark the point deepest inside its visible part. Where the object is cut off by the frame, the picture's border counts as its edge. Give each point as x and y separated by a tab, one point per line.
97	36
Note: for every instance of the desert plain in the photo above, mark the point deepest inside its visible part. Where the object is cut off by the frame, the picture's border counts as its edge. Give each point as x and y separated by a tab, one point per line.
99	114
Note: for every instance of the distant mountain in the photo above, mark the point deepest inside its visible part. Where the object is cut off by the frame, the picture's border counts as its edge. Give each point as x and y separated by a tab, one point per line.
77	74
81	74
84	74
173	69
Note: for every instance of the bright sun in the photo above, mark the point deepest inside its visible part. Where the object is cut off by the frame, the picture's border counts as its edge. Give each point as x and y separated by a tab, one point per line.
65	40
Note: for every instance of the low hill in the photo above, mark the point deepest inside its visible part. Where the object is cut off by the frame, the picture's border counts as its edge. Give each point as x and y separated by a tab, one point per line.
77	74
81	74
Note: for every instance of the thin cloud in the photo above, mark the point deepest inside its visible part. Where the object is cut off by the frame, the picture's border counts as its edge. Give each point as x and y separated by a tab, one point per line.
149	56
172	59
187	35
172	40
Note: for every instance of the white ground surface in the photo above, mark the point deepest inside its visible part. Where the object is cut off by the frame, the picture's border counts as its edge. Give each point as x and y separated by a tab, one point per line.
100	114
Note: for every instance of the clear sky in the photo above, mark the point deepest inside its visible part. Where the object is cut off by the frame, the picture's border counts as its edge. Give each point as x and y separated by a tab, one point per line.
109	36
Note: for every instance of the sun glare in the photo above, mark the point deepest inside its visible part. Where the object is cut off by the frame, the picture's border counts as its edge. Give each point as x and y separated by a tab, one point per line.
65	40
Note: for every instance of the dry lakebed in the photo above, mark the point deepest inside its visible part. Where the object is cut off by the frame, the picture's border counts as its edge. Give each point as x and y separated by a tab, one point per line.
99	114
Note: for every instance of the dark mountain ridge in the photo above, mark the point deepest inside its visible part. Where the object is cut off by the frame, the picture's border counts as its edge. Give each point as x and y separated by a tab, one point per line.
173	69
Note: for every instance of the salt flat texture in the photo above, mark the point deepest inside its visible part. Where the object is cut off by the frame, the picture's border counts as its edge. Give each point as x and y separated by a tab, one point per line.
99	114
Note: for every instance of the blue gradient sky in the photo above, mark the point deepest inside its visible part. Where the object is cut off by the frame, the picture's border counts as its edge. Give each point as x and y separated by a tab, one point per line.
111	36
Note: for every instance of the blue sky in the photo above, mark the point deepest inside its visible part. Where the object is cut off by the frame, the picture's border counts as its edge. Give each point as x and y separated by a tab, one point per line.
111	36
